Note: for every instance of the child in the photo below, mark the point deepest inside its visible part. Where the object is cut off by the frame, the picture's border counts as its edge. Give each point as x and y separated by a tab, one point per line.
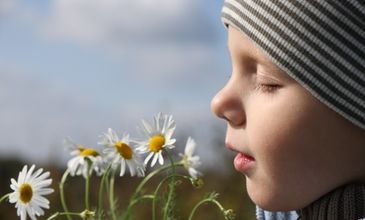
295	105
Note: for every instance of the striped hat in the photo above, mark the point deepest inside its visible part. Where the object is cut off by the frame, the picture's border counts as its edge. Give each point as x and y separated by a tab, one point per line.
319	43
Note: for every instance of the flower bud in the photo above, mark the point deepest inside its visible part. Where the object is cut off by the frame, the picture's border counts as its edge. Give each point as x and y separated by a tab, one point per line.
229	214
197	182
87	214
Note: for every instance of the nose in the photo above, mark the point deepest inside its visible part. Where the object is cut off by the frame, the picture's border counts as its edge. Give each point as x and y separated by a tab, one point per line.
228	104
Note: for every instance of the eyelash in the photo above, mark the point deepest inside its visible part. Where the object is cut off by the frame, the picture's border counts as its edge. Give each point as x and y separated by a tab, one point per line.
267	88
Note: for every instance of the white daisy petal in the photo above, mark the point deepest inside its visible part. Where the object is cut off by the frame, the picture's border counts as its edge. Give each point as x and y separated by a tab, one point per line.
157	121
158	137
190	147
194	173
164	125
23	214
160	159
29	173
37	209
72	165
78	166
154	160
14	184
122	167
140	172
114	136
45	191
13	198
31	213
43	183
45	175
37	173
132	168
22	174
121	152
30	204
143	147
191	162
170	146
147	126
148	158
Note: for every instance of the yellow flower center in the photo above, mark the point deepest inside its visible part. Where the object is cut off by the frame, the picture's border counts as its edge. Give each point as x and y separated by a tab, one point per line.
124	150
156	143
81	148
88	152
26	193
185	160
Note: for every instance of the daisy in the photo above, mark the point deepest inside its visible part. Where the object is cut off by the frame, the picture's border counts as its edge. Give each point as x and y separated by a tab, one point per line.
121	153
78	165
159	138
29	191
191	162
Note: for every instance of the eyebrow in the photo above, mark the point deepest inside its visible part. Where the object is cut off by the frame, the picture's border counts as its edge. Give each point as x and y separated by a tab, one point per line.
248	55
274	69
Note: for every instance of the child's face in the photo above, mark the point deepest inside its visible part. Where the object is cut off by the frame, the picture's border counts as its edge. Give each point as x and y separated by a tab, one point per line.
296	148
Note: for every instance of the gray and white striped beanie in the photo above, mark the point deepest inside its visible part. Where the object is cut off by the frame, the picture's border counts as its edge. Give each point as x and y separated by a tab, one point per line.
319	43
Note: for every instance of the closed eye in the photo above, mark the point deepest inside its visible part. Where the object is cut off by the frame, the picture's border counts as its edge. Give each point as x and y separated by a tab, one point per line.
267	88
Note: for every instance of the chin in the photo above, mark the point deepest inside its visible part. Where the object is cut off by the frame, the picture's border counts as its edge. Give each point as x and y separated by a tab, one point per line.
270	200
273	205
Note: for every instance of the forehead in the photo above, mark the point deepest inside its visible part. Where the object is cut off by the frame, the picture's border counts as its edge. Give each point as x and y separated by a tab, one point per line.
243	49
240	44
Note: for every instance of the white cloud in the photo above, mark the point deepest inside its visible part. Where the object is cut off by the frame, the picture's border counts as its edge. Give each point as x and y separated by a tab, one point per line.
160	39
19	12
173	63
118	22
168	45
6	6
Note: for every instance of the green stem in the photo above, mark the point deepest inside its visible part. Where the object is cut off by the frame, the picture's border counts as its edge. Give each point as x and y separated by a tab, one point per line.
152	174
101	189
62	193
126	215
171	186
143	183
158	188
87	185
171	161
111	195
57	214
4	197
107	185
141	198
205	201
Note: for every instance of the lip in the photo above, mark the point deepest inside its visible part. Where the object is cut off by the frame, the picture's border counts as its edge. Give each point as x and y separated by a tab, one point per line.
243	162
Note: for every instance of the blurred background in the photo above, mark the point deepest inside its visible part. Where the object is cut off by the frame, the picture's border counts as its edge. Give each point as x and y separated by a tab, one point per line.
74	68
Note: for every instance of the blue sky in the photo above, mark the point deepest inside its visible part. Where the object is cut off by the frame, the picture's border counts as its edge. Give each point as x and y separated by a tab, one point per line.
73	68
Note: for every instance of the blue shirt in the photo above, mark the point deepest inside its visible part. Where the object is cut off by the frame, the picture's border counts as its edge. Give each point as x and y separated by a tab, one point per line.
266	215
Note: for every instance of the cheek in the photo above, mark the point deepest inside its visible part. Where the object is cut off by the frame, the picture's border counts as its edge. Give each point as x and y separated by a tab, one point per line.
280	127
284	140
286	148
284	144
